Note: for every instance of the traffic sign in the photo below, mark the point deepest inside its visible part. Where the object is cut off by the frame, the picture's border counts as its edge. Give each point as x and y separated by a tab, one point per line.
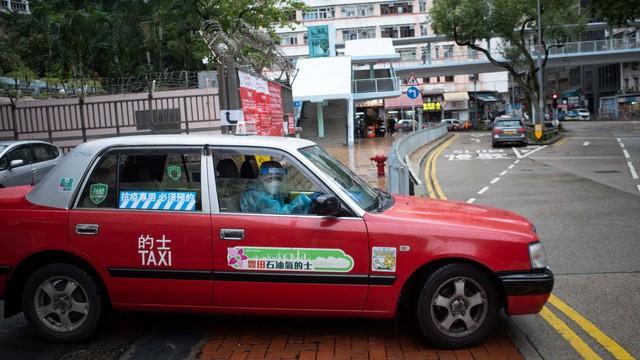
412	80
413	92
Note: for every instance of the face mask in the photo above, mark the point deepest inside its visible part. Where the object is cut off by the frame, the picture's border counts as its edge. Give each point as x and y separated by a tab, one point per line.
273	187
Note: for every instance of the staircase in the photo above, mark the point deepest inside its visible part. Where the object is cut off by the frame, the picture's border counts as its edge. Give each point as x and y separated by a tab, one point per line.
335	122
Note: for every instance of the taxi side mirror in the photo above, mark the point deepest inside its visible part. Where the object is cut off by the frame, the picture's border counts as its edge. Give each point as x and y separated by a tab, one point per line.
327	205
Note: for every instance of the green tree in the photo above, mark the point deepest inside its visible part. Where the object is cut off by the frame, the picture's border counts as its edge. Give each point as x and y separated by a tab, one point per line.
515	24
616	13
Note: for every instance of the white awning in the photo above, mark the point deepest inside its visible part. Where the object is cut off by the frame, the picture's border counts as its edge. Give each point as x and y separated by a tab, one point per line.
456	96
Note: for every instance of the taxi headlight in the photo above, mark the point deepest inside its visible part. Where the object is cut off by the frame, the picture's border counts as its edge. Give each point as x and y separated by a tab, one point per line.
537	255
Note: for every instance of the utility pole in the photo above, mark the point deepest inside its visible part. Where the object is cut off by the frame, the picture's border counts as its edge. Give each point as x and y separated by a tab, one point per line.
540	85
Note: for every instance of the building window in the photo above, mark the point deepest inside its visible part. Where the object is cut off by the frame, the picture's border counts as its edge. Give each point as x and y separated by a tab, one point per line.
422	6
396	8
288	39
424	30
319	13
448	51
389	32
448	78
291	15
407	54
407	31
426	80
365	10
355	34
349	11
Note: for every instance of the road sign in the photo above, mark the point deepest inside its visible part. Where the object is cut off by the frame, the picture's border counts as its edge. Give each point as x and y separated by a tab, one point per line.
443	104
412	80
413	92
230	117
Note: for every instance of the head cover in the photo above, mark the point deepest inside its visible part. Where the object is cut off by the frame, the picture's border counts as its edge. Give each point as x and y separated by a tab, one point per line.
272	175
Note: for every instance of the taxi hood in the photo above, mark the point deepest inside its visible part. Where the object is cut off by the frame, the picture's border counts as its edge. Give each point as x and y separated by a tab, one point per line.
447	213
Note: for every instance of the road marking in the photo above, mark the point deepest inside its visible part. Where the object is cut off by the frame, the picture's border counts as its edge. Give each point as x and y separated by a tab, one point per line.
495	180
581	347
472	200
586	143
483	190
526	152
626	154
504	173
616	350
620	142
433	186
564	140
638	187
510	167
634	174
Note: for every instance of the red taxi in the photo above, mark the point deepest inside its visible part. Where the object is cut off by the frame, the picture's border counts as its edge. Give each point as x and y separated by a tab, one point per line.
254	225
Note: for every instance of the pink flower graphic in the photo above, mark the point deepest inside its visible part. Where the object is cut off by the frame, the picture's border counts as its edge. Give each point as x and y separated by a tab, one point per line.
236	257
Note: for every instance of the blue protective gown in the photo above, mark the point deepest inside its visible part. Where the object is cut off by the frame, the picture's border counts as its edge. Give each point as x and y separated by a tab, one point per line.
255	199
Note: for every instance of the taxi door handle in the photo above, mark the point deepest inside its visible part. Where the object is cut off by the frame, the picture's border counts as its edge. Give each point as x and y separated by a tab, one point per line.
232	234
86	229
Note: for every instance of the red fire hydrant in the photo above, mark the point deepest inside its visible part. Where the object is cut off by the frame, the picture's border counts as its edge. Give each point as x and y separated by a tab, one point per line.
379	159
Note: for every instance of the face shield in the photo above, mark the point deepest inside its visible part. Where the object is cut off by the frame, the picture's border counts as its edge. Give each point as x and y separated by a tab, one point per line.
272	179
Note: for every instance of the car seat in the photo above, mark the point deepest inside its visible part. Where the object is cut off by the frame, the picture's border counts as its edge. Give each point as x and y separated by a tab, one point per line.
249	168
228	187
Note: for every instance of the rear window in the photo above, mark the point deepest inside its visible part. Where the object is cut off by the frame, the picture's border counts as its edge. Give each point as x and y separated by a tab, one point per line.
507	123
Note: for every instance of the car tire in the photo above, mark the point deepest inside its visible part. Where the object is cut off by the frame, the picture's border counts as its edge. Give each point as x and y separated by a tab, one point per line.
494	145
457	307
63	303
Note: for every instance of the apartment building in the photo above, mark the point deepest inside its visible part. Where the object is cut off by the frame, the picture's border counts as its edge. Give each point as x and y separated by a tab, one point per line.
466	97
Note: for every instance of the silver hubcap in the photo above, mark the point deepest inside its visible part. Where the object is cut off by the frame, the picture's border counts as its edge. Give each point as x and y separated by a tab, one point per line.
61	304
459	307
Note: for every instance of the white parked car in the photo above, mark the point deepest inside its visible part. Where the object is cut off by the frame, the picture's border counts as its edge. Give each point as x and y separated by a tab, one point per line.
25	162
584	114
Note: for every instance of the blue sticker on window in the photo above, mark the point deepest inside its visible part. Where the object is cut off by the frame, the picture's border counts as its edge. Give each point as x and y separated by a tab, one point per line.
157	200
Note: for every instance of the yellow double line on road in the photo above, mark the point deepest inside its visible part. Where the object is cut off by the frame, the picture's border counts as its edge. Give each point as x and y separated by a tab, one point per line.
435	191
430	170
581	347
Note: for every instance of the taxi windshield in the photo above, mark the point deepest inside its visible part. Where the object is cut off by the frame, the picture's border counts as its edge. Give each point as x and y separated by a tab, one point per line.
361	192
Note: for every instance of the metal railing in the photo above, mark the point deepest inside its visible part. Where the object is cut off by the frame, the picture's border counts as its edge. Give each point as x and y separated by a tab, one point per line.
375	85
401	180
570	48
68	122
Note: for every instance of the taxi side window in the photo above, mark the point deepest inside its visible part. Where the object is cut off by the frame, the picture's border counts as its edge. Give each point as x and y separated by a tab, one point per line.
145	180
241	187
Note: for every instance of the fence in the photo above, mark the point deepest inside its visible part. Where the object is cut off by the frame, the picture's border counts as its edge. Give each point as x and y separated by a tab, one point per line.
401	180
69	122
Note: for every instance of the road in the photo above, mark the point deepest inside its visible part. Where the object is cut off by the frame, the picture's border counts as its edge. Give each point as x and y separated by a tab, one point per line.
583	195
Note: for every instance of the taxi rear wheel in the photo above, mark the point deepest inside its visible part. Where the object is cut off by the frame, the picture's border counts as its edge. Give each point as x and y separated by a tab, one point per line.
62	303
457	307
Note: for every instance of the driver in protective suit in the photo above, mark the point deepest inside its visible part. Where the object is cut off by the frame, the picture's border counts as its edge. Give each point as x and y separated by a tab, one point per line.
264	196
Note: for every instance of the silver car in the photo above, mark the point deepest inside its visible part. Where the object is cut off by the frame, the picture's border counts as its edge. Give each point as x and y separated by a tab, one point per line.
508	130
26	162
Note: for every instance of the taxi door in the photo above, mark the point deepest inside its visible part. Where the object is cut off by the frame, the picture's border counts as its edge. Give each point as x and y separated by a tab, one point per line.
148	234
287	261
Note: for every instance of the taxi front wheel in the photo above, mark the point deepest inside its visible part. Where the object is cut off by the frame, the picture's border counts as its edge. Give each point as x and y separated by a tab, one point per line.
457	307
62	302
